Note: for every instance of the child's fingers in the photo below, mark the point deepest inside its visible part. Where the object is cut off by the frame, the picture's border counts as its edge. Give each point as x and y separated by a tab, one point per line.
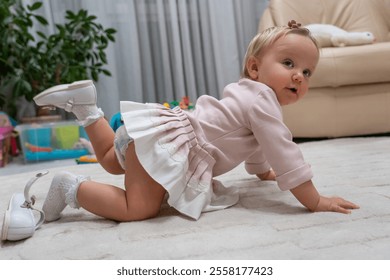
335	204
347	204
342	206
339	209
351	205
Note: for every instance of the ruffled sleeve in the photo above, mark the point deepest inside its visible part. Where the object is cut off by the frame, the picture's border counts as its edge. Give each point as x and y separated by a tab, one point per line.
283	155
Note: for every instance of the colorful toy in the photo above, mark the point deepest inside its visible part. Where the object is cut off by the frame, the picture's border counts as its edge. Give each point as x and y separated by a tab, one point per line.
35	148
86	144
174	104
116	121
184	104
87	159
6	125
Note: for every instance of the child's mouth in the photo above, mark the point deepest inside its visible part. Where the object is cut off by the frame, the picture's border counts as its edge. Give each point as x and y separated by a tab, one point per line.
294	90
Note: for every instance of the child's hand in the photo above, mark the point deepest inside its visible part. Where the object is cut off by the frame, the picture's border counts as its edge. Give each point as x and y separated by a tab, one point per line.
335	204
267	176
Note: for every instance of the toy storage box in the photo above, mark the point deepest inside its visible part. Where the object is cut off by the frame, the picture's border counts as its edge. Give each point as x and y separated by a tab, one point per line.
51	141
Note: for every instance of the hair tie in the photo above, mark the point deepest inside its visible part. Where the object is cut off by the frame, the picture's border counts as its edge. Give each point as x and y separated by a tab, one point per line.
293	24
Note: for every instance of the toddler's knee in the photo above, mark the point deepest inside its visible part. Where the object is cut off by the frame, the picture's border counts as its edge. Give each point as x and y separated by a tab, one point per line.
110	163
138	215
114	170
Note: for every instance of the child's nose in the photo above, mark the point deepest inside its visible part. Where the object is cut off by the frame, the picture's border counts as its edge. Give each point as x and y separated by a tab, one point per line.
297	77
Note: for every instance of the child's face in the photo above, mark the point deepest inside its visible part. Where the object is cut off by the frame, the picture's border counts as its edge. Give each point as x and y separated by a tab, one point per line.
286	66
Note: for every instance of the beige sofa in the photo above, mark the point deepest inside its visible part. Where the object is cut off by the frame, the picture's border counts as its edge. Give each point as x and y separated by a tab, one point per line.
350	91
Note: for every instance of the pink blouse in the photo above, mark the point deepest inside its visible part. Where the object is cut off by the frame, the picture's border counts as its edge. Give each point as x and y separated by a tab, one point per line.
247	125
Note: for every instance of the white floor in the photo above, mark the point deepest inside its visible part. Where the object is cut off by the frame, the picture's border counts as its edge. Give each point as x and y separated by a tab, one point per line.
265	224
17	165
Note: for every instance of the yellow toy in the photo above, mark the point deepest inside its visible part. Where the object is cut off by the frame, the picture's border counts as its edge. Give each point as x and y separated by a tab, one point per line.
86	159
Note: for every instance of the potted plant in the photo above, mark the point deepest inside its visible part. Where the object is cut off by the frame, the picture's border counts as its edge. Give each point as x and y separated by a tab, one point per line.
32	62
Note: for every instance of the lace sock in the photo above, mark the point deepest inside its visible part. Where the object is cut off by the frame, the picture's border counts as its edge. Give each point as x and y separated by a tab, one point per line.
87	114
62	192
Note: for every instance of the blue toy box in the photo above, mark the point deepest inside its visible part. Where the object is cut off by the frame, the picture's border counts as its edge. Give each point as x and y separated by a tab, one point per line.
51	141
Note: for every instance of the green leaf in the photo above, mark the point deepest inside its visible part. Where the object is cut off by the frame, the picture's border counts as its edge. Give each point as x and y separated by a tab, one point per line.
106	72
29	22
83	13
31	37
35	6
103	40
110	31
111	38
95	76
42	35
21	23
70	15
41	19
91	18
103	57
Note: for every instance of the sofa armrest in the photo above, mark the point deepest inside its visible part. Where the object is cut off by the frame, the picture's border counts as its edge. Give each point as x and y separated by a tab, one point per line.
354	65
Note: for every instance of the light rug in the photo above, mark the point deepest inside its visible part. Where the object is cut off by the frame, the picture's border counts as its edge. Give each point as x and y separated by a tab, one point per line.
266	223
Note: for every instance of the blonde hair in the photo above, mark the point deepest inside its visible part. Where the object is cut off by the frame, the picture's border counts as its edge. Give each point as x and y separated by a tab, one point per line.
267	38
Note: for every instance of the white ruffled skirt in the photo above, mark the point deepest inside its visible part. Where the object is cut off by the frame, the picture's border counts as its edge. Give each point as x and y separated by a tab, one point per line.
168	149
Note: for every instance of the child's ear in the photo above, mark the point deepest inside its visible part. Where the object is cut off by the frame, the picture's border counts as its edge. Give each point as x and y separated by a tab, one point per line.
252	66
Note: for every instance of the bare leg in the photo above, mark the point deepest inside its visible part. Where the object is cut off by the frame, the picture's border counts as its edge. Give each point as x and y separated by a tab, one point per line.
143	196
141	200
80	99
102	137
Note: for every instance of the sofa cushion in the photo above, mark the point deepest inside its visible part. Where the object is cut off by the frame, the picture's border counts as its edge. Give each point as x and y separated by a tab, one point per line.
353	65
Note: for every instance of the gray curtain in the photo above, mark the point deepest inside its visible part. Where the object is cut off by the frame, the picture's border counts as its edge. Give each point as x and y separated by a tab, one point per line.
166	49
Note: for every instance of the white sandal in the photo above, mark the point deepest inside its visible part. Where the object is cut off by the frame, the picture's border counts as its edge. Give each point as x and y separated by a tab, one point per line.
68	95
19	222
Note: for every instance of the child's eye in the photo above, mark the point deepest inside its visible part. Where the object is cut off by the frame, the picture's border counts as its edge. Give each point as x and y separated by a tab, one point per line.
307	73
289	63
